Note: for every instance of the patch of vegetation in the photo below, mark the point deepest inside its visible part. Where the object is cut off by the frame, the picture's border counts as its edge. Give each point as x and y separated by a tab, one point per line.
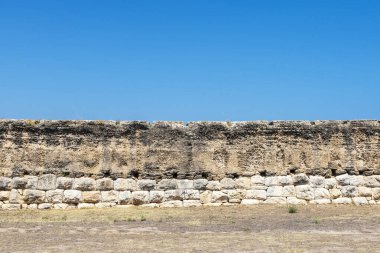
32	122
142	218
292	209
316	221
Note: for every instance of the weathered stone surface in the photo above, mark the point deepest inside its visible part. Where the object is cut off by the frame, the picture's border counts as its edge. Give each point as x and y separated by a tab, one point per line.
19	183
4	195
256	194
185	184
300	179
200	184
125	197
173	195
140	197
32	182
5	183
122	184
167	184
321	193
146	184
34	196
104	184
250	202
109	196
343	179
295	201
54	196
359	201
227	183
65	183
257	180
46	182
91	197
213	186
206	197
349	191
15	197
219	197
191	203
156	196
190	194
11	206
289	191
85	205
71	196
304	192
243	183
45	206
172	203
84	184
275	200
342	201
317	181
274	191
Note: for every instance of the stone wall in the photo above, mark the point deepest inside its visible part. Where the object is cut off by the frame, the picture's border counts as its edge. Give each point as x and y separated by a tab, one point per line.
65	164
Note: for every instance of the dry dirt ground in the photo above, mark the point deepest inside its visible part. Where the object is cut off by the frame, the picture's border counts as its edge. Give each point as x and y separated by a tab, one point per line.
204	229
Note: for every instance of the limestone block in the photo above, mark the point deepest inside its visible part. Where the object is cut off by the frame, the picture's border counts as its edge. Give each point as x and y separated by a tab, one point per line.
104	205
275	200
227	183
321	193
19	182
185	184
335	193
317	181
11	206
200	184
206	197
320	201
4	195
64	183
274	191
125	197
349	191
300	179
190	194
357	180
46	182
250	202
342	201
91	196
173	195
85	205
236	194
256	194
343	179
372	181
359	201
376	193
257	180
45	206
104	184
32	206
140	197
84	184
364	191
272	181
167	184
151	205
243	183
219	197
54	196
304	192
285	180
5	183
109	196
34	196
15	197
191	203
71	196
295	201
289	191
213	186
156	196
146	184
122	184
172	203
60	206
330	183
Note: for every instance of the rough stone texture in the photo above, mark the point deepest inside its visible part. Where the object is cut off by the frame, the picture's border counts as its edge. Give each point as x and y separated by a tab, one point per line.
105	163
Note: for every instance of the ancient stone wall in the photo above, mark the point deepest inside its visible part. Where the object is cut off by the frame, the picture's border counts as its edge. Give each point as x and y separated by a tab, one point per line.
63	164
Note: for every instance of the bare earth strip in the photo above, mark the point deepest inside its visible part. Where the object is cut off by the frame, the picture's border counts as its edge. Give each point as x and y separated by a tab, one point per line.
204	229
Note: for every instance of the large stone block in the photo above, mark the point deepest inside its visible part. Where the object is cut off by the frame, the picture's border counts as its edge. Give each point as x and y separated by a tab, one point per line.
46	182
34	196
274	191
54	196
72	196
146	184
156	196
91	197
122	184
19	182
256	194
304	192
140	197
200	184
167	184
104	184
110	196
213	186
227	183
5	183
64	183
84	184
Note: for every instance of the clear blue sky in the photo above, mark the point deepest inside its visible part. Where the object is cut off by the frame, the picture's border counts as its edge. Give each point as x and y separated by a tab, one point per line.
190	60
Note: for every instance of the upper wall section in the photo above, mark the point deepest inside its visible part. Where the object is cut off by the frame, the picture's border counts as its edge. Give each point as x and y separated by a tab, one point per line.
212	150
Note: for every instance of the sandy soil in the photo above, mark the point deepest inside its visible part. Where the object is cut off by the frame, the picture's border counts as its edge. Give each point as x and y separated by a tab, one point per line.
205	229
